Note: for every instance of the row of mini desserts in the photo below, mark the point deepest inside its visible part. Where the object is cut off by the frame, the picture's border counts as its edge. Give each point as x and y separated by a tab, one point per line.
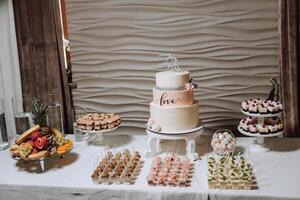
118	168
261	106
98	121
271	125
229	172
171	170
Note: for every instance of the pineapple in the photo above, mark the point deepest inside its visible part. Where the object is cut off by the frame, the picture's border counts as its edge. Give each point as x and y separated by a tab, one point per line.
39	113
39	117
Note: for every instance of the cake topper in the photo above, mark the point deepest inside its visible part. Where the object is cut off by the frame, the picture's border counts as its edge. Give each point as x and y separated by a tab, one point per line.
274	94
171	62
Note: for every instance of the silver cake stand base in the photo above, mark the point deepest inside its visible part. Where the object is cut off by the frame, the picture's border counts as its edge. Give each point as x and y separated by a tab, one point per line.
190	136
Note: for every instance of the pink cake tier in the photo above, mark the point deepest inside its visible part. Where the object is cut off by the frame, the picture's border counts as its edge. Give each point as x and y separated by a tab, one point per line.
173	98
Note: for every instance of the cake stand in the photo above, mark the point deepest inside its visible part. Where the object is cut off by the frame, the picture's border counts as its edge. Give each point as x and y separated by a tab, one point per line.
190	136
97	136
259	144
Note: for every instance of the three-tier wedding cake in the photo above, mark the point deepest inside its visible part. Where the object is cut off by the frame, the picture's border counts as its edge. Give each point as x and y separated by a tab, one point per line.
173	108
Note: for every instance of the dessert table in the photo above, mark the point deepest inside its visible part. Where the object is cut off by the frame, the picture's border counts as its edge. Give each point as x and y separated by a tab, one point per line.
277	174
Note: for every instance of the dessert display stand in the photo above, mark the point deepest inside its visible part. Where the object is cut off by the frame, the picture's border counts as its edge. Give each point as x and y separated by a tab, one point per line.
190	136
259	144
96	137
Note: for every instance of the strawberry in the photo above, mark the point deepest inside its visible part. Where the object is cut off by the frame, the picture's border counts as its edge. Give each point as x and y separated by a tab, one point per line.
41	143
35	135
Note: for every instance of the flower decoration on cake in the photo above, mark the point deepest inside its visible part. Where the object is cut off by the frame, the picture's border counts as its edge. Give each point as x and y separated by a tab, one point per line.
153	126
171	62
223	142
191	85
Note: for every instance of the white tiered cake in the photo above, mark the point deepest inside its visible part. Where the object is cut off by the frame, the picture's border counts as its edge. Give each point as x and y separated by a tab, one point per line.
173	108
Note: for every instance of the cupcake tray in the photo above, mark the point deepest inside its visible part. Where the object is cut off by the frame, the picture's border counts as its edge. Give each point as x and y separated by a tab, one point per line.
121	168
276	134
230	172
174	171
277	114
259	145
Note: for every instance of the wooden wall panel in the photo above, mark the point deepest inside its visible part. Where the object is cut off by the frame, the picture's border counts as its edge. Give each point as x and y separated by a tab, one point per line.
230	48
40	47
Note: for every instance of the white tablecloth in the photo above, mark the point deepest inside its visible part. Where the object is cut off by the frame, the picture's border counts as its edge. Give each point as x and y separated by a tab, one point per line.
277	172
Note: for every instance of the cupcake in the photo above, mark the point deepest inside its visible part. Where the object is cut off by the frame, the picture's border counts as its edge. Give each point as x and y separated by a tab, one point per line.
262	109
263	129
245	106
253	128
253	108
272	128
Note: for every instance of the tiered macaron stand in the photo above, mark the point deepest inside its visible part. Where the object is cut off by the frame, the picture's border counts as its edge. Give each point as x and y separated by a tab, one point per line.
259	144
190	136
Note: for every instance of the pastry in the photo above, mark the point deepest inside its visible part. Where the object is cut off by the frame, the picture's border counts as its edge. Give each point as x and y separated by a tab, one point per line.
98	121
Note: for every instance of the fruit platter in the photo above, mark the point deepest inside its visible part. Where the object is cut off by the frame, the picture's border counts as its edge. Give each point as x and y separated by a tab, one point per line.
40	141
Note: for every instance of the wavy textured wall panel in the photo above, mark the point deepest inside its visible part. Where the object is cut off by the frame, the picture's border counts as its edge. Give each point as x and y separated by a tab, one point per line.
229	46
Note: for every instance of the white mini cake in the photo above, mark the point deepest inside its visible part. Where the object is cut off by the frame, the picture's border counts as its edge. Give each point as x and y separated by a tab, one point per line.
173	107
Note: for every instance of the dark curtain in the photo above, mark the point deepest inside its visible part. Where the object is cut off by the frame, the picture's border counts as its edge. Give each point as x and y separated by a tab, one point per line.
289	64
40	46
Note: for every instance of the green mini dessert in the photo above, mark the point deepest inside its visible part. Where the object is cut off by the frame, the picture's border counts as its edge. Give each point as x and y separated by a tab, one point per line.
212	182
223	182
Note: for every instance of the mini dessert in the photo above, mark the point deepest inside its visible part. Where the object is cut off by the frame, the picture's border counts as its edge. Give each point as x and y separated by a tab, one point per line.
261	106
271	125
253	108
253	128
263	129
229	172
262	109
171	170
223	141
98	121
118	168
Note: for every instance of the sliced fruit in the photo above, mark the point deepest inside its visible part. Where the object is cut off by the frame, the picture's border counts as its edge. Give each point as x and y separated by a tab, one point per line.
41	143
66	147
